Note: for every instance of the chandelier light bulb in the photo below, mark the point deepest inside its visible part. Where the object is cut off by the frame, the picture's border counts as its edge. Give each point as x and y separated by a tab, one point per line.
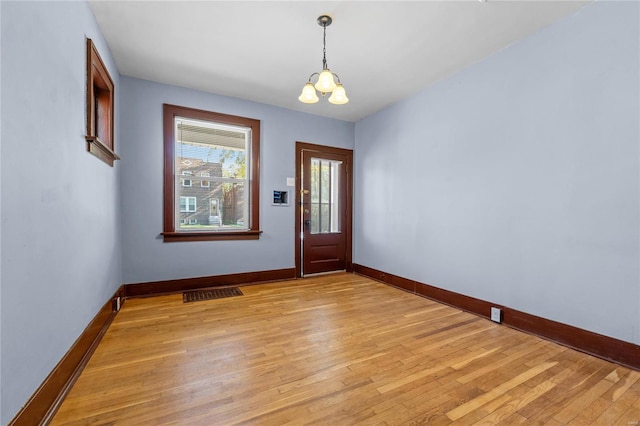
325	82
308	95
339	96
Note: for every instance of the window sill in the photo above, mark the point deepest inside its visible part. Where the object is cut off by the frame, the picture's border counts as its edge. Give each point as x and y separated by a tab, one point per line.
98	148
171	237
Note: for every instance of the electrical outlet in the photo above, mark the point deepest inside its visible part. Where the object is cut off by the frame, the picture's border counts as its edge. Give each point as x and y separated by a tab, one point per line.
496	315
117	304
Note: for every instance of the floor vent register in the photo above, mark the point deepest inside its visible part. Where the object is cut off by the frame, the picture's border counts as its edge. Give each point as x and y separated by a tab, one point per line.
210	294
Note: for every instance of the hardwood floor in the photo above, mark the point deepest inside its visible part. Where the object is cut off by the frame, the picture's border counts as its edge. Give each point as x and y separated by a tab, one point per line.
337	349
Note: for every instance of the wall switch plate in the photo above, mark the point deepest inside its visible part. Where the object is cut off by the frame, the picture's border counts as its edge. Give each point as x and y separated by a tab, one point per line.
496	315
291	181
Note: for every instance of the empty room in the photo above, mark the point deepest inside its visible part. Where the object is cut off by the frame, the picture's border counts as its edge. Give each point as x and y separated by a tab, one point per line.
320	212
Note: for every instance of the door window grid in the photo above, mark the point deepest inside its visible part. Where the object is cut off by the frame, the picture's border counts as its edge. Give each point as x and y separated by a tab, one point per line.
324	191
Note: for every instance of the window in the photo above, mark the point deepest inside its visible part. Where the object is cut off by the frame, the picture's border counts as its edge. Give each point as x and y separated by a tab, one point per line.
186	182
325	196
188	204
205	183
100	95
225	151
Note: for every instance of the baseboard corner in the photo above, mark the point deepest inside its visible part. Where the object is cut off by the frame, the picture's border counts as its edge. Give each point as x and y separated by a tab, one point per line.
45	401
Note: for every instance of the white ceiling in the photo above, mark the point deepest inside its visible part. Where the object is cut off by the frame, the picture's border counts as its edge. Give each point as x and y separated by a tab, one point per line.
264	51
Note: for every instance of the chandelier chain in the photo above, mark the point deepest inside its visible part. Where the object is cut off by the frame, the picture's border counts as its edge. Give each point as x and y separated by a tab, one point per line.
324	47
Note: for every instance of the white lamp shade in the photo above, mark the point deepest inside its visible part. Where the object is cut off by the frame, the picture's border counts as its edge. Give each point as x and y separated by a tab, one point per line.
339	96
325	82
308	95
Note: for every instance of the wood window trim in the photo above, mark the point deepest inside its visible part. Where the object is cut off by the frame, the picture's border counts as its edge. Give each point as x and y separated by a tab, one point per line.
169	234
100	108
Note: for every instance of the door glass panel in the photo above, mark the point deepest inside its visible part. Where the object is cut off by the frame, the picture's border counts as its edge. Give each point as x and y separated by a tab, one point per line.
325	219
325	181
315	180
315	217
325	202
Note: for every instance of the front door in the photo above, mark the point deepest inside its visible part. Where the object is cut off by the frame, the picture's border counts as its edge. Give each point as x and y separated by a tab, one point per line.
324	209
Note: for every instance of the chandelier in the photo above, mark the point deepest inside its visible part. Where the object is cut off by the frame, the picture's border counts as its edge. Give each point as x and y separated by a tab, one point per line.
326	82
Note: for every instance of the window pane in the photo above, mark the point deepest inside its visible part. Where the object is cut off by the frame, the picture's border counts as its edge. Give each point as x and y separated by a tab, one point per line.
215	155
324	218
234	209
325	181
325	203
315	180
335	201
315	215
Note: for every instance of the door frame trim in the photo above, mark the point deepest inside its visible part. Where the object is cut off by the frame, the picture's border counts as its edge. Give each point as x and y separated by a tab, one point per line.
348	154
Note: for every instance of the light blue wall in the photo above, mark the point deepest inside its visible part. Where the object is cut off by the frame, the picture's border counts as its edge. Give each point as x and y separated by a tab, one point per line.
517	180
146	256
61	249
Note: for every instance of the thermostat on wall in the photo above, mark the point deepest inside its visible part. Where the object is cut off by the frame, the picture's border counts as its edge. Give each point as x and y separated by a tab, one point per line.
280	198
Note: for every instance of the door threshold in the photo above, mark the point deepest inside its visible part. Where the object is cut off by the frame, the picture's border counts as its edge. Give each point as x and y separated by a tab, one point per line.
323	273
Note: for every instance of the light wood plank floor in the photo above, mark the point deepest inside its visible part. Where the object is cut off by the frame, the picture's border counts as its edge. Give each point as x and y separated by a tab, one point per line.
336	350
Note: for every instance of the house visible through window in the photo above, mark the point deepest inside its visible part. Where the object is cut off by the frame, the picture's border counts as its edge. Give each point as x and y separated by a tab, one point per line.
221	151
